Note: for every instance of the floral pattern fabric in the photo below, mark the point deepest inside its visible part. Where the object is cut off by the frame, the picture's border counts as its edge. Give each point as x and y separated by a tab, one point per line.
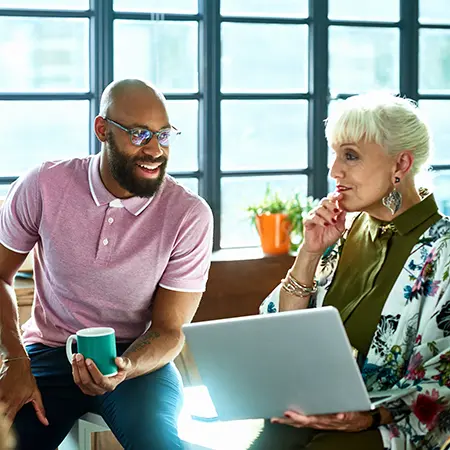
410	349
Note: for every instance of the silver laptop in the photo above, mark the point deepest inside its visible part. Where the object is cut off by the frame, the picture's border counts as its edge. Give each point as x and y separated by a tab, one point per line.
261	366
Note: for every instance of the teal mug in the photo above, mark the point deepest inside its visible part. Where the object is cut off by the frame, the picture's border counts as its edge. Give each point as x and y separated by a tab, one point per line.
98	344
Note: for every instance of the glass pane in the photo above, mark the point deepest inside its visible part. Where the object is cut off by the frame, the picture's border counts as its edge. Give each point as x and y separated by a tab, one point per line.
189	183
434	61
434	11
262	58
239	193
184	152
58	130
157	6
264	8
363	59
167	53
441	182
4	188
73	5
271	134
382	10
49	54
435	112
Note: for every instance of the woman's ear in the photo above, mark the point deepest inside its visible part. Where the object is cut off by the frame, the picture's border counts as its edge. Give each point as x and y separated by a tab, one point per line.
404	164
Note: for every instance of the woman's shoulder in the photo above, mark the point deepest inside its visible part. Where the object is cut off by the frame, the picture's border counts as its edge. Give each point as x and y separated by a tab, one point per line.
439	230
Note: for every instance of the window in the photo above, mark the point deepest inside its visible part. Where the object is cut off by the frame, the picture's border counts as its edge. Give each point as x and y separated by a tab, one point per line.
248	83
434	89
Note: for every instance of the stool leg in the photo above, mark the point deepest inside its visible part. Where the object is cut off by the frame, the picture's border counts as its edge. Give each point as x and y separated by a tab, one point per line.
85	430
71	442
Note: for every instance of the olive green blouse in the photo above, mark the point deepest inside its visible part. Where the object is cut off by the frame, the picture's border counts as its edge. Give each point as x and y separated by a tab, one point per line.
372	258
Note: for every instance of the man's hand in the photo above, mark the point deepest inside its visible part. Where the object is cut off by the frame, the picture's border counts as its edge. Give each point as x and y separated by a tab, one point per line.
91	381
18	387
349	421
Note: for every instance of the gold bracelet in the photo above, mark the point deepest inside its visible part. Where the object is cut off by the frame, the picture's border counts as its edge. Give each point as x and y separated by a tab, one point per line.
7	360
291	285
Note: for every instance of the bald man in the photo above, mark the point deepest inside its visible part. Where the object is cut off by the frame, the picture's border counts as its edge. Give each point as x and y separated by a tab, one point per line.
117	243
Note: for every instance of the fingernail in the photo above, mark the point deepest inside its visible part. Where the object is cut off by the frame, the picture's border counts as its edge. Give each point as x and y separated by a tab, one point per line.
273	420
327	224
89	362
79	357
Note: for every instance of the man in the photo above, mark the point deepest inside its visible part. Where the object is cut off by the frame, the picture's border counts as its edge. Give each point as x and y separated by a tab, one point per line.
118	243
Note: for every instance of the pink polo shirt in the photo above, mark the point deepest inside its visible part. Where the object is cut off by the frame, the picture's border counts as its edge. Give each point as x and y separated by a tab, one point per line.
98	259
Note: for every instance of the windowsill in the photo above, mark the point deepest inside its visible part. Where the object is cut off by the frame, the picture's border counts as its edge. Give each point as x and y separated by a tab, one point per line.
242	254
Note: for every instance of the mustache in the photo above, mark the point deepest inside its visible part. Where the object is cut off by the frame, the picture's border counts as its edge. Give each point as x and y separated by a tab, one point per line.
150	159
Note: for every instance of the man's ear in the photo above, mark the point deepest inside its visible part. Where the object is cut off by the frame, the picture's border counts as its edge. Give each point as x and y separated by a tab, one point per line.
404	164
100	128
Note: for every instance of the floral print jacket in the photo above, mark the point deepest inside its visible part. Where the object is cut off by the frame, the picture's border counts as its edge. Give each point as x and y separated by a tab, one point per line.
411	346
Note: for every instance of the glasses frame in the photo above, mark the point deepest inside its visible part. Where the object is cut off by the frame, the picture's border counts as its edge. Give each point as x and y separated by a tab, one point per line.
130	132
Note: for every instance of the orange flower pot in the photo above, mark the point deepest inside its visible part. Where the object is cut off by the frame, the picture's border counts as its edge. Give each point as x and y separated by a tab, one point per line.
274	231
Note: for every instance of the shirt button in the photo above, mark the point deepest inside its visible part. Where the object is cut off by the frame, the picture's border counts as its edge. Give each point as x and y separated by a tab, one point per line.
110	220
105	241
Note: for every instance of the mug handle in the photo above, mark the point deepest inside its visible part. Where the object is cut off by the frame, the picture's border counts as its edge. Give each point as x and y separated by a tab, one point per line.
69	342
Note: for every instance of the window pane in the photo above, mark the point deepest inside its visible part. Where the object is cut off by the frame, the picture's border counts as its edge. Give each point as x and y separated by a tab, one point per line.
184	152
74	5
363	59
167	53
157	6
239	193
441	182
264	58
189	183
383	10
436	112
434	61
4	188
49	54
271	135
434	11
58	130
265	8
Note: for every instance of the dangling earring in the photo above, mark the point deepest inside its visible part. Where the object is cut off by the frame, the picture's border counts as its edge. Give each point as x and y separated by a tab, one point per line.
393	201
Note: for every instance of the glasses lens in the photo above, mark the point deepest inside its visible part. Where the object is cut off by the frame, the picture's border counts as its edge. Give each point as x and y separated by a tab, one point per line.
140	136
165	137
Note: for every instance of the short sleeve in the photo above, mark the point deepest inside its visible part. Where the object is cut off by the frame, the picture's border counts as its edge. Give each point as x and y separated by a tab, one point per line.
21	213
190	260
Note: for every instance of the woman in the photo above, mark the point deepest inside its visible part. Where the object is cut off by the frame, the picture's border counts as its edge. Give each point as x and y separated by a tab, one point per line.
378	250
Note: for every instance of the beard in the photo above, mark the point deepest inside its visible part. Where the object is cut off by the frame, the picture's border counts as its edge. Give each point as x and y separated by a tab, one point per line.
123	170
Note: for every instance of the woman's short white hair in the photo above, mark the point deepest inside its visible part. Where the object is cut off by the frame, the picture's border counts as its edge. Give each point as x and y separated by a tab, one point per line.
393	122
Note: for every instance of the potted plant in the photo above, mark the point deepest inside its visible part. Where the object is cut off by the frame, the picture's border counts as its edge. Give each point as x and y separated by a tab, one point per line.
279	221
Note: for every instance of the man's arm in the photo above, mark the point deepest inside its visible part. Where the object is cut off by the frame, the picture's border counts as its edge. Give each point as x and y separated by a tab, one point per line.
17	384
164	339
10	341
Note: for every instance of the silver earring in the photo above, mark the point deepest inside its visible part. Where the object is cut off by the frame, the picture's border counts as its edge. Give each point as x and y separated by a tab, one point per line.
393	201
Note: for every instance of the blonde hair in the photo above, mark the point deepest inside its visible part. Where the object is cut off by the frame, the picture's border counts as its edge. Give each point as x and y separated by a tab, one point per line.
392	122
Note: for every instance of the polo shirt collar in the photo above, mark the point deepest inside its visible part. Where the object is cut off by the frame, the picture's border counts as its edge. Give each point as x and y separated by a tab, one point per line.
408	221
101	195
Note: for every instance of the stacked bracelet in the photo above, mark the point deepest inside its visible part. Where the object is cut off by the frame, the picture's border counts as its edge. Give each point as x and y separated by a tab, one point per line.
294	287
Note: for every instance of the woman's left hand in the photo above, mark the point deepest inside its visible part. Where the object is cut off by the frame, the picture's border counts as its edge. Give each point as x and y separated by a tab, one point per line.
348	421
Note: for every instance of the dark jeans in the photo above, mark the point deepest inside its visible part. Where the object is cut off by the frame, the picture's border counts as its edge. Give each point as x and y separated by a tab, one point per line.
141	412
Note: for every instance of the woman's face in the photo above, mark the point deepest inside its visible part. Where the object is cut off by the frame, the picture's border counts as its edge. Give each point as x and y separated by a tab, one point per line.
364	174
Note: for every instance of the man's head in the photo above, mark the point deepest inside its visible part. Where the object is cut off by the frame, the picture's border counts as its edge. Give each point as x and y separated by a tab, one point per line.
134	127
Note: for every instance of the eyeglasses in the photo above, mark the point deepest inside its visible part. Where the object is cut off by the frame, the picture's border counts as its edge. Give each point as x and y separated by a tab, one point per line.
142	136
